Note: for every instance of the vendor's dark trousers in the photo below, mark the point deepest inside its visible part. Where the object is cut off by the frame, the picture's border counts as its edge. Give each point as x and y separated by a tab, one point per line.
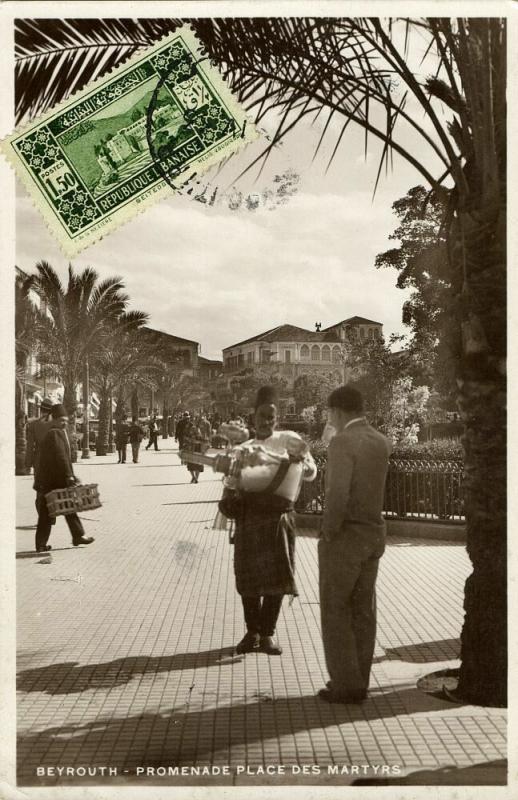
135	447
45	523
348	568
262	613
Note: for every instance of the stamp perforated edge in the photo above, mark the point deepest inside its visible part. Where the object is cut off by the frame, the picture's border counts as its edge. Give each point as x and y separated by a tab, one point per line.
119	217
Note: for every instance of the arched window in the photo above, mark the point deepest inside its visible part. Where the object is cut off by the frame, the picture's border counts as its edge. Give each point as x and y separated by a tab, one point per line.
362	333
336	354
326	353
315	353
304	351
371	333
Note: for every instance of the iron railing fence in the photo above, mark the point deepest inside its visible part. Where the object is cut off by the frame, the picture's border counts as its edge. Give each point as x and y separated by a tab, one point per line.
415	489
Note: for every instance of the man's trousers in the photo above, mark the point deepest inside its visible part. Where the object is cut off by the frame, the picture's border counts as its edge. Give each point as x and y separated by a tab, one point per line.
348	567
45	523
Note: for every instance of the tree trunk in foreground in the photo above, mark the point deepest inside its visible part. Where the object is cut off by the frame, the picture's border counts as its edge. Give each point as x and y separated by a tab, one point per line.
479	263
20	430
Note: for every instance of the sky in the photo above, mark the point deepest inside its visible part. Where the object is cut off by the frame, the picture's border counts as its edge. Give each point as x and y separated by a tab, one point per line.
218	276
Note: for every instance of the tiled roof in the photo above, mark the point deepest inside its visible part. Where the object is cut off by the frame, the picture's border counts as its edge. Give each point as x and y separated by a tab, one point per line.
171	337
212	361
353	321
292	333
284	333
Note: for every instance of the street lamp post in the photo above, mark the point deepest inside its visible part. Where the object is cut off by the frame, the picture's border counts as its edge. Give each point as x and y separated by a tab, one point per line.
86	399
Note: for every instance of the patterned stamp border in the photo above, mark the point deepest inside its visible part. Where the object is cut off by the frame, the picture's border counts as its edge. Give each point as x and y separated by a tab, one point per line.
127	140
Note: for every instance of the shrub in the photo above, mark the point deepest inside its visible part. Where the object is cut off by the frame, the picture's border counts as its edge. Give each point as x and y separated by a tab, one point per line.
436	450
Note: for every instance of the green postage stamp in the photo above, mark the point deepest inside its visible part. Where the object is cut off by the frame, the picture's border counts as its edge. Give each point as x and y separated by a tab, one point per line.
127	140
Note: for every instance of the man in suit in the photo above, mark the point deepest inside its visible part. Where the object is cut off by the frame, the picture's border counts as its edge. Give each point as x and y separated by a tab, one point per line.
181	427
351	543
36	431
153	433
56	472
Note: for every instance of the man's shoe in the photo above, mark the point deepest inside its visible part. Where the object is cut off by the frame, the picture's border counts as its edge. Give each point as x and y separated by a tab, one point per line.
353	698
83	540
248	643
267	645
44	548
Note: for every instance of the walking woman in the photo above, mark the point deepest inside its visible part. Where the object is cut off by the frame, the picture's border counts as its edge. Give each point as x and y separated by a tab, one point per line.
264	542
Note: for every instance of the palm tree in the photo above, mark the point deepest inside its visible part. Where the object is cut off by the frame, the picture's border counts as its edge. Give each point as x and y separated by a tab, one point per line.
75	326
361	71
123	360
25	315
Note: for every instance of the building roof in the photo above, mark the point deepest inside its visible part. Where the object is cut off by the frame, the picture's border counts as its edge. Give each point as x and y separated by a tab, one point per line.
353	321
210	361
173	339
292	333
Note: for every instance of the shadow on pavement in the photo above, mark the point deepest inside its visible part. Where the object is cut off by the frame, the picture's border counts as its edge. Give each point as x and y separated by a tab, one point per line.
490	773
182	483
440	650
189	733
157	466
34	554
189	502
418	542
70	678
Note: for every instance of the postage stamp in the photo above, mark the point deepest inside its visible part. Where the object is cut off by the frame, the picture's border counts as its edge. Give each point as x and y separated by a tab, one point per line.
127	140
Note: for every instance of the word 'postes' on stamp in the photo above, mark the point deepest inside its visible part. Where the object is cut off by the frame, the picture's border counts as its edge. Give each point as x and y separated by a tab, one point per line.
127	140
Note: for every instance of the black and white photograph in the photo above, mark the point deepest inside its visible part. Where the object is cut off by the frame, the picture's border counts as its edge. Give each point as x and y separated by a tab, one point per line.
255	266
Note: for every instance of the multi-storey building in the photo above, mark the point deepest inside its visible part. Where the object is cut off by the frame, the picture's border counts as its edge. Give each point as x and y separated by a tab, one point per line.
290	351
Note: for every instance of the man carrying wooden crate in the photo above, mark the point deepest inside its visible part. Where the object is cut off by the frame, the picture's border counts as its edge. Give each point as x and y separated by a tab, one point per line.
56	472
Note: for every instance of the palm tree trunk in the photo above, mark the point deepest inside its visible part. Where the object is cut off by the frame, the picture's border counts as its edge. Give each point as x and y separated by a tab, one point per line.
111	444
165	418
70	403
20	430
104	423
134	403
479	260
86	406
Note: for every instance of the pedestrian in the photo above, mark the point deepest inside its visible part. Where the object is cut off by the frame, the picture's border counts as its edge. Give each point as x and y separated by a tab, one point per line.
351	543
121	438
264	539
136	434
181	426
153	433
55	471
205	429
36	431
191	433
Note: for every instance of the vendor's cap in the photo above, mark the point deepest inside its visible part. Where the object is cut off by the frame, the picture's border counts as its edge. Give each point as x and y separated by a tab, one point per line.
47	403
59	411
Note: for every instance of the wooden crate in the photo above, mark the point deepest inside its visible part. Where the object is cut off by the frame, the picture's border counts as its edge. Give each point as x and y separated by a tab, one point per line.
73	499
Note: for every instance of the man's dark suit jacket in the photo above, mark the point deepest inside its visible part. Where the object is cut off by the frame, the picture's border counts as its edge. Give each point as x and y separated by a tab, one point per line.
55	465
357	462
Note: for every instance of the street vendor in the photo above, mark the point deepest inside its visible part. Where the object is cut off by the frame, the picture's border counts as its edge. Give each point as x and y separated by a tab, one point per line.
264	540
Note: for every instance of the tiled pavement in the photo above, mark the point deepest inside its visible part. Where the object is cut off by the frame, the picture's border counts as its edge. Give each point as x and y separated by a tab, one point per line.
125	654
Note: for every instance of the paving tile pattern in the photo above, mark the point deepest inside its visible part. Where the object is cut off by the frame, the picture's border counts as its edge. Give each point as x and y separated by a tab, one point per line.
125	650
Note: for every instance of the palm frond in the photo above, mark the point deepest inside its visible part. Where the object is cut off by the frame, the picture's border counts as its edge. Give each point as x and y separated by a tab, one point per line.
57	57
